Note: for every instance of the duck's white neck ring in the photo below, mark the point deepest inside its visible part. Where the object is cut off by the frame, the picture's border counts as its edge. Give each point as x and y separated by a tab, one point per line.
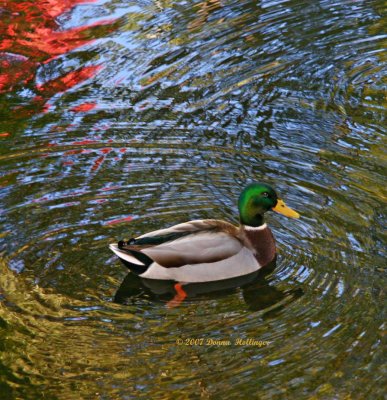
255	228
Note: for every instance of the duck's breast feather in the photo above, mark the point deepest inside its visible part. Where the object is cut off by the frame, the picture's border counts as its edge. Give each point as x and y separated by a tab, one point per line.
241	263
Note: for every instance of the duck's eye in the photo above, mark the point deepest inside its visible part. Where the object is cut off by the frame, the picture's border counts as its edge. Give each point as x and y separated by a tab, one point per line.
265	194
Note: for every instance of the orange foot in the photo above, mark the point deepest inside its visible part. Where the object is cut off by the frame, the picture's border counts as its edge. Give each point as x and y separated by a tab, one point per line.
179	296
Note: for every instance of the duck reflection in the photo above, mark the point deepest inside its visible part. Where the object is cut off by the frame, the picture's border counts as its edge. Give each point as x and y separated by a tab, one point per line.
257	293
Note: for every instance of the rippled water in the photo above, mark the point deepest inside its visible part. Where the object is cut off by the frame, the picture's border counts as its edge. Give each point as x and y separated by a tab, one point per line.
122	117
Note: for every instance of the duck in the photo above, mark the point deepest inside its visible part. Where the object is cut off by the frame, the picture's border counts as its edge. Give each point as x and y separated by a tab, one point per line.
206	250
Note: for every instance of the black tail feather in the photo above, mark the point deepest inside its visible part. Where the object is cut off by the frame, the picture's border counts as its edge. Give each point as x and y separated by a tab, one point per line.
143	258
137	269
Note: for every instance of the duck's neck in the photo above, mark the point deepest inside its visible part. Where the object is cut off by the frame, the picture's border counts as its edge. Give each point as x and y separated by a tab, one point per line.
261	241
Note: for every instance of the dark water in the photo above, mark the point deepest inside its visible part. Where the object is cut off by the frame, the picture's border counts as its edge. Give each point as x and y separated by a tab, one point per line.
122	117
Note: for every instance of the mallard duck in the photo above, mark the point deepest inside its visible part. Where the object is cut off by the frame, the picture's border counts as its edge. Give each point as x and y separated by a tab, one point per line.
208	250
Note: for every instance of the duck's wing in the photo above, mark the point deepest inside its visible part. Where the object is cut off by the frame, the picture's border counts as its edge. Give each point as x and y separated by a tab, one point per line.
195	226
193	242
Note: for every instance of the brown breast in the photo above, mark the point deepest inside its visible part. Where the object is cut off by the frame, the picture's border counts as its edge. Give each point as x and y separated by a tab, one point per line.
261	241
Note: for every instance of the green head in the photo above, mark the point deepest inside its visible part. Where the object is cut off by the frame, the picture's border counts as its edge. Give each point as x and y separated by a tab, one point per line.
256	199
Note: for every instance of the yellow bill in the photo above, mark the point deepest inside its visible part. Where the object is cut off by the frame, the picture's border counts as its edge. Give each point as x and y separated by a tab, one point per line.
283	209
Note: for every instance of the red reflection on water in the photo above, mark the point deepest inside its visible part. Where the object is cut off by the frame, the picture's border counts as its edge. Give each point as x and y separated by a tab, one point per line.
15	69
44	9
40	200
66	82
30	36
86	141
72	152
43	44
30	29
84	107
97	163
117	221
106	189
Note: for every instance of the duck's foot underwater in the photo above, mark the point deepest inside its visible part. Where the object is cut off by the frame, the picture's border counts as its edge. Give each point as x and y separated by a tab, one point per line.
179	296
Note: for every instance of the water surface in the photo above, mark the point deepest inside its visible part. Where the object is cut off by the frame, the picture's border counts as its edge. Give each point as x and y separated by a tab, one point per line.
122	117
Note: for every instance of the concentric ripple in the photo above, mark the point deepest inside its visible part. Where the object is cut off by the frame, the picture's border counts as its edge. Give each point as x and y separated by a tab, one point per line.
119	118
